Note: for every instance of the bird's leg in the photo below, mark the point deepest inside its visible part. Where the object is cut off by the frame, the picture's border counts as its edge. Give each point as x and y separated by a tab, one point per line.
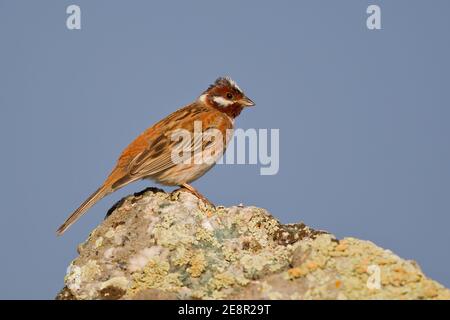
194	191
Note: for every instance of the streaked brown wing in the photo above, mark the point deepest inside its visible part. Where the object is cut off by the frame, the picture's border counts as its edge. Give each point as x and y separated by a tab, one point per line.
157	157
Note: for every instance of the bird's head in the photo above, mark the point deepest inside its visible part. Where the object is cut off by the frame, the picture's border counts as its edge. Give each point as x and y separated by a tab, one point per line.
225	95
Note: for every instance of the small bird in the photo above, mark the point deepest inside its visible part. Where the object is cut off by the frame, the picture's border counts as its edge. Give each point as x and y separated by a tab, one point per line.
163	154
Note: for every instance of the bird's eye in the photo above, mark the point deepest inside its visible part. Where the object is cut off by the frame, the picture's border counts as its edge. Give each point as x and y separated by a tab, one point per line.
229	96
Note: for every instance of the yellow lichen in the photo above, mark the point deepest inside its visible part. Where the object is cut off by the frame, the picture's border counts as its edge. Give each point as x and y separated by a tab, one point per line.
429	290
204	235
198	264
181	256
155	275
222	280
171	236
99	242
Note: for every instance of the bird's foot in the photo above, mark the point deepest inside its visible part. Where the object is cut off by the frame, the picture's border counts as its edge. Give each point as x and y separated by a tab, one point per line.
194	191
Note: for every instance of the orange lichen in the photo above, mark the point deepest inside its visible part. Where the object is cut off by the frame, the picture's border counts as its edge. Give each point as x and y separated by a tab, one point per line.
311	265
296	273
341	246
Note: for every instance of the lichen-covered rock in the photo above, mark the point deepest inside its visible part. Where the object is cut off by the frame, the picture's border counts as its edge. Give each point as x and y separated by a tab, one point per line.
155	245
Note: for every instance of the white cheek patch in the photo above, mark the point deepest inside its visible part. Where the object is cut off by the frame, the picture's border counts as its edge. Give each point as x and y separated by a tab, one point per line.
222	101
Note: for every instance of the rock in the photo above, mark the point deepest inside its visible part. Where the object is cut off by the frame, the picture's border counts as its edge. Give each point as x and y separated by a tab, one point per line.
155	245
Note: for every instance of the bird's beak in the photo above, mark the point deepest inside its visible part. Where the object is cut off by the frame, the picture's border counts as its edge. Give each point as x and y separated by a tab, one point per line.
246	102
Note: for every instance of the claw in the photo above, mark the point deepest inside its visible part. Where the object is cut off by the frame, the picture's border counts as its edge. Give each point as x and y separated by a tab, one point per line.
194	191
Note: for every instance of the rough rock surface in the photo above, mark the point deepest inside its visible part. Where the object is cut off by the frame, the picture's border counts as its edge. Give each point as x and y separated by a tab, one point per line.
156	245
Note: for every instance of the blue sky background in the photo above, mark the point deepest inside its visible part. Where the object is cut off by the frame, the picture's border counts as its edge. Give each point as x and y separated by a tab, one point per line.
363	117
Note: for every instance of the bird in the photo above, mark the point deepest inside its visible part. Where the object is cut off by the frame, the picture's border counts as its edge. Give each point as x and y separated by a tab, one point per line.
178	149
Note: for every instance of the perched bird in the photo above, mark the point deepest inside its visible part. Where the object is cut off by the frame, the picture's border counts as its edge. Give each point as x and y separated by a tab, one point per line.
163	154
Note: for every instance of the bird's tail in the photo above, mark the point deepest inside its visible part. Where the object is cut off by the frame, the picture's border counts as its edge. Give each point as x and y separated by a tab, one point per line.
93	198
